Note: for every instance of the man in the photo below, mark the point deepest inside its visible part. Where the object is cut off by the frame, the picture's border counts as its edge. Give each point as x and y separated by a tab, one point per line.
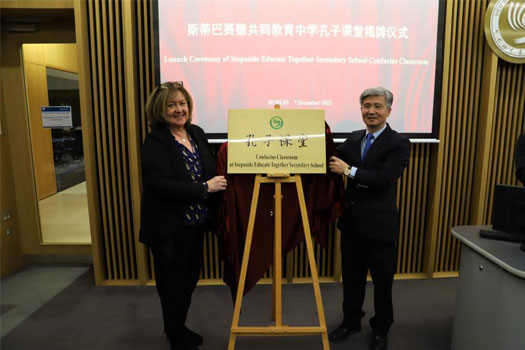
373	160
520	159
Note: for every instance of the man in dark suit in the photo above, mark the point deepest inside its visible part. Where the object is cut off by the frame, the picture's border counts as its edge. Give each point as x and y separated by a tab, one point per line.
520	159
373	160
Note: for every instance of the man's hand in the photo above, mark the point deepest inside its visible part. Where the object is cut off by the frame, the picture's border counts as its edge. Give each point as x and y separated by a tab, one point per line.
337	165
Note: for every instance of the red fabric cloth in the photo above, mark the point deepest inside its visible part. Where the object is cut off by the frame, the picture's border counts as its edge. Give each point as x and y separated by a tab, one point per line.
324	196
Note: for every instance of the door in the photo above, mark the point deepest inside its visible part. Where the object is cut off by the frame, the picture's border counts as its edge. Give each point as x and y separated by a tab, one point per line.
51	26
53	100
11	252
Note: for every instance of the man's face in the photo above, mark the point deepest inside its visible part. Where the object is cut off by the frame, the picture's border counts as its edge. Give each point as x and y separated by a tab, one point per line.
375	112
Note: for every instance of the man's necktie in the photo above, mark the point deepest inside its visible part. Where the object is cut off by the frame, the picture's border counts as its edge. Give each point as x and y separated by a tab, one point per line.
369	138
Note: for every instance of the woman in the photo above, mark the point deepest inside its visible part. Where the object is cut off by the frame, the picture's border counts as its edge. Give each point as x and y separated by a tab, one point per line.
179	179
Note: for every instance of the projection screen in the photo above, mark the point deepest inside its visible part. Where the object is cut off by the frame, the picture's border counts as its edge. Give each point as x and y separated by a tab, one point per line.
304	54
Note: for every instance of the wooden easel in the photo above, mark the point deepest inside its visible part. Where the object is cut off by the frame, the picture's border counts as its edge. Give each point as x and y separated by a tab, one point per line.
278	329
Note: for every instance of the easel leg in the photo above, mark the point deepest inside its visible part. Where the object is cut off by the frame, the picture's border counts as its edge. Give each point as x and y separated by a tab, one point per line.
245	260
311	260
273	294
277	255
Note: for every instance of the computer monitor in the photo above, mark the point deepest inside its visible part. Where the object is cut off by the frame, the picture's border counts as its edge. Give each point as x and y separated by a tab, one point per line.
509	209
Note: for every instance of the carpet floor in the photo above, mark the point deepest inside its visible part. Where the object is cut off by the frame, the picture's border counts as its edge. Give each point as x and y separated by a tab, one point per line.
85	316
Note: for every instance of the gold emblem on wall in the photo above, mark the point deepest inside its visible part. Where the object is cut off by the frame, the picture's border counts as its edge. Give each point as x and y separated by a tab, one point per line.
505	29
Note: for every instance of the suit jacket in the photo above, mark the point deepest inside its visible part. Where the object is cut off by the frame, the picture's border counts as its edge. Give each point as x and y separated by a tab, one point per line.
371	209
167	187
520	159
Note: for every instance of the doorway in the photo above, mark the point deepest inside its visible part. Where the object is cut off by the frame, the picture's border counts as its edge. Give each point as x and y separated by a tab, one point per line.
38	25
52	97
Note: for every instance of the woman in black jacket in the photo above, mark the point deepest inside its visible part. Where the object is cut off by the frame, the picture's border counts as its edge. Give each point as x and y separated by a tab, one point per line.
178	205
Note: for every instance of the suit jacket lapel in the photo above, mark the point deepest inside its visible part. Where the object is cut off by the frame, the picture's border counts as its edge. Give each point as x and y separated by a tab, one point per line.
357	138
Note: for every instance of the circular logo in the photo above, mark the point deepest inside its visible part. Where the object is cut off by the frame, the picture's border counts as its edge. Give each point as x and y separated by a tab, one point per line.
276	122
505	29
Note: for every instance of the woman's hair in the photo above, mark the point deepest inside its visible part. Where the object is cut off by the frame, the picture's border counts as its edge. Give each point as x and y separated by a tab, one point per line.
377	91
158	100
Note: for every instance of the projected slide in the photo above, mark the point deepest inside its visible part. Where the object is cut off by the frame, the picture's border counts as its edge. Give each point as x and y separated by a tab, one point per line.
302	54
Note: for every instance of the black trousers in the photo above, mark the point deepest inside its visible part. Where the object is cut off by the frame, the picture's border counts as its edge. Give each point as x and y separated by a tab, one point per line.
359	255
177	260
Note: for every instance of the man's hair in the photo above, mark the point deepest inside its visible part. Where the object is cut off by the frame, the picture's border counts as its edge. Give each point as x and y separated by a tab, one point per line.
158	100
377	91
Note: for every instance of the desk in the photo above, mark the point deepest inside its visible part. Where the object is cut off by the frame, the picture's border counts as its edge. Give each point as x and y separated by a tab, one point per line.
490	301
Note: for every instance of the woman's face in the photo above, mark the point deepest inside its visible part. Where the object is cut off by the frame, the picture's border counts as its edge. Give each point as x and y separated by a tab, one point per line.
177	110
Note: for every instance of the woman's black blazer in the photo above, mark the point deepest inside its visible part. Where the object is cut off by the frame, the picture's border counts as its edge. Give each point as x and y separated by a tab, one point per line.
167	187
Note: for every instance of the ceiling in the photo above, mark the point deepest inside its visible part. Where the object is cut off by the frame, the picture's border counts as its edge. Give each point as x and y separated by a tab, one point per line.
25	19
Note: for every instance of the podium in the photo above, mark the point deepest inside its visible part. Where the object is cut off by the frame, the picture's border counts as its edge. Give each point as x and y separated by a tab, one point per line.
278	329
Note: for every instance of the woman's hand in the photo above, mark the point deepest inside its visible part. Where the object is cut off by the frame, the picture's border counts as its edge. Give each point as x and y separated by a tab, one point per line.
218	183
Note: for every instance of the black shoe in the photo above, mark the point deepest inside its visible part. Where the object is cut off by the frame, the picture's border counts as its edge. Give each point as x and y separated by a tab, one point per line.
193	337
342	332
379	342
176	345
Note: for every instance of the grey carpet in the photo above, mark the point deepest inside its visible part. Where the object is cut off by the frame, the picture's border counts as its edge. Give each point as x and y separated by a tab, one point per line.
25	292
84	316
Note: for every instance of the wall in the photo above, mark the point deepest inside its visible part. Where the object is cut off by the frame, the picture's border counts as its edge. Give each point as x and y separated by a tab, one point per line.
58	26
445	184
10	249
480	122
